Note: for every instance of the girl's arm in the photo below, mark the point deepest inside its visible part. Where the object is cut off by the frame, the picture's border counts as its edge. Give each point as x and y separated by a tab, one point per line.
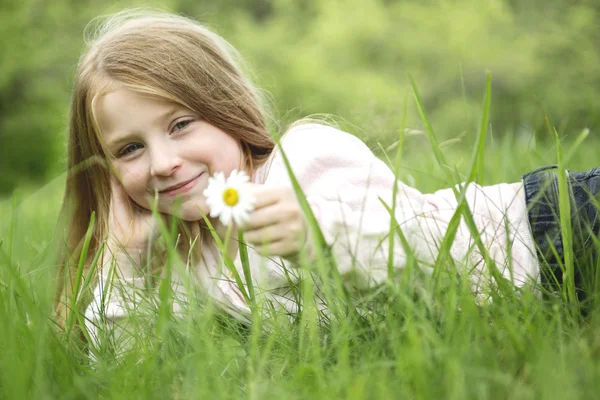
117	300
118	297
345	183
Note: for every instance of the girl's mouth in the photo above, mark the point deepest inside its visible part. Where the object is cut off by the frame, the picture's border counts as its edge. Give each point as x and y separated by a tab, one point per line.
180	188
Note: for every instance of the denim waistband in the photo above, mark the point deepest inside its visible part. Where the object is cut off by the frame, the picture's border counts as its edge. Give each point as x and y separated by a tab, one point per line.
541	196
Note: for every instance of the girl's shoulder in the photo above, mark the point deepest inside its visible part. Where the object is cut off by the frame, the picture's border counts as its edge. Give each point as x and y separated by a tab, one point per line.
312	149
318	138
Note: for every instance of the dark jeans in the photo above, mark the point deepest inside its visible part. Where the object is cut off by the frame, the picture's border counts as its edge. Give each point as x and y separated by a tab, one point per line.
541	196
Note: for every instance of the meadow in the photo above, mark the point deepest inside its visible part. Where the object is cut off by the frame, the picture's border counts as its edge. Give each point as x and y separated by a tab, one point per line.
422	337
444	92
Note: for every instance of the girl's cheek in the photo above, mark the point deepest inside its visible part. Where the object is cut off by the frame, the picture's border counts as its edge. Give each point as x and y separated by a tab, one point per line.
133	175
134	186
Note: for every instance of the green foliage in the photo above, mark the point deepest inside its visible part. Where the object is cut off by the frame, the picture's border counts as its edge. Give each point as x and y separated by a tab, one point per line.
352	58
347	58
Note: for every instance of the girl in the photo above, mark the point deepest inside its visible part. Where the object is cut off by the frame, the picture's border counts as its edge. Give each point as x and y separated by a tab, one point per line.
160	105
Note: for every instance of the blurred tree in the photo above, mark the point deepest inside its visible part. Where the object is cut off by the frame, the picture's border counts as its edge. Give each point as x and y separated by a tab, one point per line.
39	46
349	58
329	57
27	118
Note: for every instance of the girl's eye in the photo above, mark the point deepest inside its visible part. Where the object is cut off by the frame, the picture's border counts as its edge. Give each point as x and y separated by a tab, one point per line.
181	125
130	148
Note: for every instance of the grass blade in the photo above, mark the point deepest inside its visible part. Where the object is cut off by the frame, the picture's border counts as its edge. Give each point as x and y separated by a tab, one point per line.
564	211
393	221
79	274
243	249
226	259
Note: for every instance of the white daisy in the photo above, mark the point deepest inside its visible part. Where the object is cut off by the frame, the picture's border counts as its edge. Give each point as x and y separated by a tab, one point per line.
227	199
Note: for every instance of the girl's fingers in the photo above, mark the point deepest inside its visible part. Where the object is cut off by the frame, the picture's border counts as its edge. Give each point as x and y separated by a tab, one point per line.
264	217
279	248
272	205
263	235
265	196
291	233
276	226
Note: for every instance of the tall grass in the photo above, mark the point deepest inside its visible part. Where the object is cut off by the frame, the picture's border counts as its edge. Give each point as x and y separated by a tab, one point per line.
417	336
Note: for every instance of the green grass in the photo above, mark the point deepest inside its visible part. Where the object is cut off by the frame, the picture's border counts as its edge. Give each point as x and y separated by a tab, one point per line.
422	337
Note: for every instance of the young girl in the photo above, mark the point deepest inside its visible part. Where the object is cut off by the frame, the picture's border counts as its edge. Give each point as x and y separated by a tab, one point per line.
160	105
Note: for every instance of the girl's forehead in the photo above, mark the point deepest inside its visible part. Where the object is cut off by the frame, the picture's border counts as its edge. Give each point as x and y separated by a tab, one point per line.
117	92
123	110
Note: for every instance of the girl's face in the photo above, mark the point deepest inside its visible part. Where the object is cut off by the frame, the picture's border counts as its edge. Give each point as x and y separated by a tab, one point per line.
163	149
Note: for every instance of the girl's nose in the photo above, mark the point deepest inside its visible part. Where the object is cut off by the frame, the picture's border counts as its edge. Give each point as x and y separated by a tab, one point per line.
163	162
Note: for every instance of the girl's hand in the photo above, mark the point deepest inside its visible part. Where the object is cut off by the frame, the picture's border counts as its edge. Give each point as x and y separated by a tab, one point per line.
130	227
276	226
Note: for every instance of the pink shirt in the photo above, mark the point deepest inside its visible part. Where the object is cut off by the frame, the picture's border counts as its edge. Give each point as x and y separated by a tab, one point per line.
344	182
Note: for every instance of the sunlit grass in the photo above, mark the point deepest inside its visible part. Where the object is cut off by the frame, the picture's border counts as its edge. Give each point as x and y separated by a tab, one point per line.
422	337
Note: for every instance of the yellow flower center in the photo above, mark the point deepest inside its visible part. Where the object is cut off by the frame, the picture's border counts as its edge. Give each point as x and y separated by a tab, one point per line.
230	197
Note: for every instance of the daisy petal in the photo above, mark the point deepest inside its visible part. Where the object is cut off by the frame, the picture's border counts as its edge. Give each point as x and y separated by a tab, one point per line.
225	216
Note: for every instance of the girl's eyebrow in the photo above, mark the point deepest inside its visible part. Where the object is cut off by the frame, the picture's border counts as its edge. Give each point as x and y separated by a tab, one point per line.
117	138
118	141
168	114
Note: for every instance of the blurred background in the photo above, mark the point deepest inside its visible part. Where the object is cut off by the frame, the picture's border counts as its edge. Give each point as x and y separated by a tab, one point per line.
348	58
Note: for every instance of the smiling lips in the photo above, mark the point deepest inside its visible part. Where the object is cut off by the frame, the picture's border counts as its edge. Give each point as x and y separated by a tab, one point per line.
180	188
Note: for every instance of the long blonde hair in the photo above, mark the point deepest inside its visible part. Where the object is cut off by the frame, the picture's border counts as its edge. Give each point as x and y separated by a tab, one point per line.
164	55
